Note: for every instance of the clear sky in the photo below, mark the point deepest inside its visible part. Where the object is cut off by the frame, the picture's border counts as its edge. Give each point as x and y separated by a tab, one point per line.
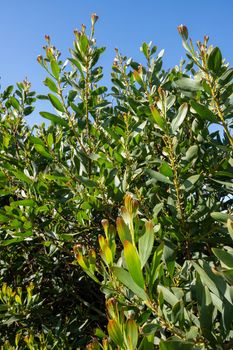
124	24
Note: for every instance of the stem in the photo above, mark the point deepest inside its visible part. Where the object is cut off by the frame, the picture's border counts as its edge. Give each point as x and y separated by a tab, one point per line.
214	93
69	116
179	199
87	111
213	89
176	181
86	98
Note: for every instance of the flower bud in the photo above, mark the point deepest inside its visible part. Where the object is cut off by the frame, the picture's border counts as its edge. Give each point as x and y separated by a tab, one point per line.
94	19
39	58
49	53
77	248
47	38
183	31
105	225
161	93
105	343
83	29
77	34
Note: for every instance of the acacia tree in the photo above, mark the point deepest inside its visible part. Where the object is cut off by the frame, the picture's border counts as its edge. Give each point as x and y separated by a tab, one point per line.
151	137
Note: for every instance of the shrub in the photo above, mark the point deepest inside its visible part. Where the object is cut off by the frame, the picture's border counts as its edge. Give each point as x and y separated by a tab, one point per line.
153	136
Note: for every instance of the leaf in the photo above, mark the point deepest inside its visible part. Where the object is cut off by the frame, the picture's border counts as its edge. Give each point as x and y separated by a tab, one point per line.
215	283
83	43
28	110
226	77
175	345
222	217
133	263
11	241
146	243
169	257
225	257
137	77
230	227
14	103
204	112
87	182
99	91
51	85
40	149
191	152
156	262
123	230
56	103
165	169
115	332
125	278
132	333
150	328
24	203
168	295
188	84
189	182
158	176
214	62
21	176
206	314
178	120
178	312
55	119
157	117
55	68
7	92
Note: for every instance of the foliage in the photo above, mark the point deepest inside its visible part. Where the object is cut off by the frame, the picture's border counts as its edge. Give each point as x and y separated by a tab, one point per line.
153	136
153	298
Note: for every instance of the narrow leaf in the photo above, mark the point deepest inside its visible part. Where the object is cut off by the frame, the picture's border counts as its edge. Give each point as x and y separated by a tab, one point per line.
56	103
178	120
133	263
146	243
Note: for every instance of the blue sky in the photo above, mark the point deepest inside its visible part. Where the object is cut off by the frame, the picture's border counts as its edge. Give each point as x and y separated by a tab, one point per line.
124	24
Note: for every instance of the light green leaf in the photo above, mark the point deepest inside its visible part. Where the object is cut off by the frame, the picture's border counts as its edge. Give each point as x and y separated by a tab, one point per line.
178	120
222	217
40	149
55	68
158	176
125	278
133	263
191	152
132	334
55	119
146	243
188	84
168	295
115	332
159	120
51	85
56	103
24	203
123	230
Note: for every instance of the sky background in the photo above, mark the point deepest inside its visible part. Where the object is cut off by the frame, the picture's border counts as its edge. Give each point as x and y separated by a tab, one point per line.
124	24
